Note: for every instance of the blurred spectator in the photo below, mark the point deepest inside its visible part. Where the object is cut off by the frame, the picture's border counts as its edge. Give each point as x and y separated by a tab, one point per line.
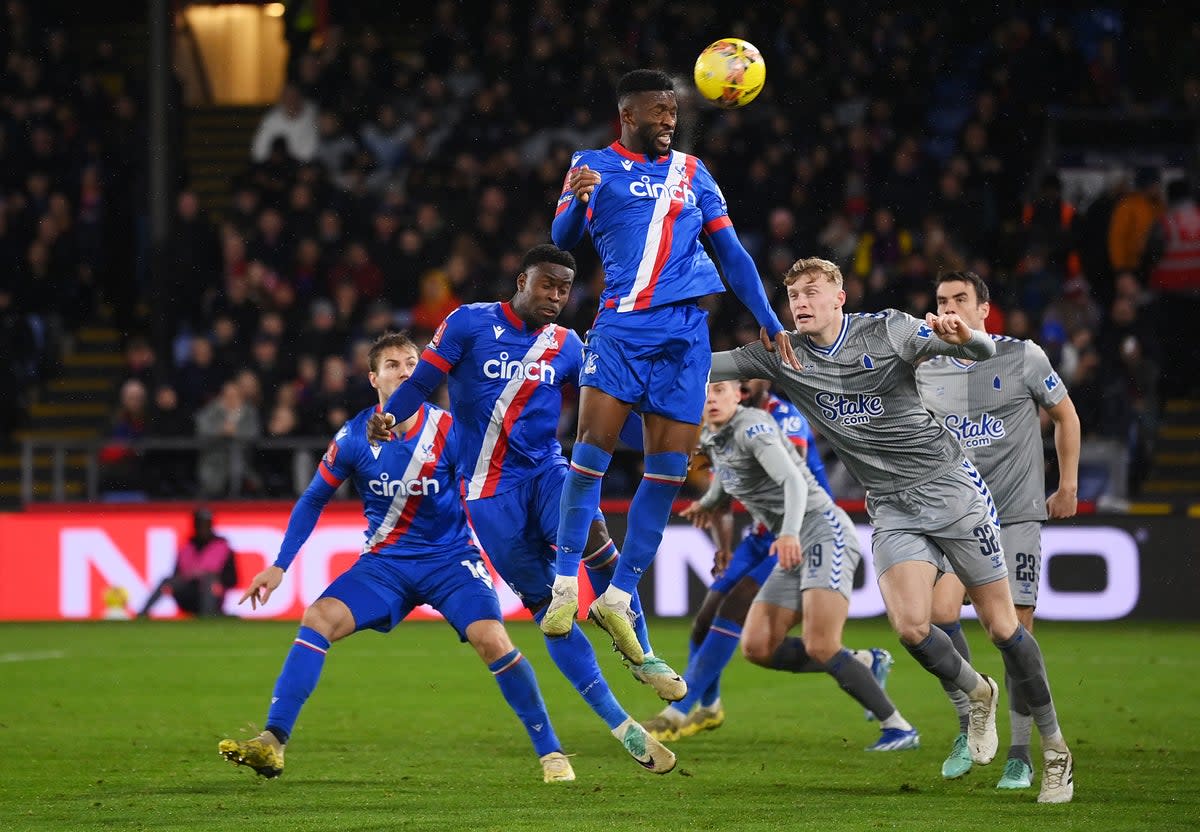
1048	220
200	377
226	417
276	466
294	120
883	246
1174	252
19	367
1132	220
121	465
170	472
436	302
357	269
205	569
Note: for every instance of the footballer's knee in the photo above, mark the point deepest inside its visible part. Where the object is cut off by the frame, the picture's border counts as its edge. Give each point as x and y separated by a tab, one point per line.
490	639
758	647
821	646
911	632
330	617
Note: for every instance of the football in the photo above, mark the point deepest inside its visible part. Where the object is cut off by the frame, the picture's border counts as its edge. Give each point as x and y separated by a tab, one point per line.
730	73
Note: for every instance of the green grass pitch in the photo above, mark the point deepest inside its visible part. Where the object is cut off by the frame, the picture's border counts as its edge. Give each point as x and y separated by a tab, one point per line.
115	726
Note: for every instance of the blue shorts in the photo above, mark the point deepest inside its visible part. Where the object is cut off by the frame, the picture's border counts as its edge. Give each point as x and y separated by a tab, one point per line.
752	557
381	591
518	529
656	359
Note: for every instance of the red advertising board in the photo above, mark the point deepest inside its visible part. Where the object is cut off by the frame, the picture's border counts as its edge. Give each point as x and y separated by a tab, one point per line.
57	563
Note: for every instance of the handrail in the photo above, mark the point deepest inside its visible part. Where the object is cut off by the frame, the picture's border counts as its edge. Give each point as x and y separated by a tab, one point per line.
59	448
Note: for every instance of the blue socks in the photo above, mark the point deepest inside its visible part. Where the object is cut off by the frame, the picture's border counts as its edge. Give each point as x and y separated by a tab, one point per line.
707	663
648	515
577	507
301	670
520	688
575	658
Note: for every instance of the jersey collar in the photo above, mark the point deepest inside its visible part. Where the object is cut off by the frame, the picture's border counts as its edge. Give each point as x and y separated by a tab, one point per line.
962	365
837	344
637	157
417	425
513	317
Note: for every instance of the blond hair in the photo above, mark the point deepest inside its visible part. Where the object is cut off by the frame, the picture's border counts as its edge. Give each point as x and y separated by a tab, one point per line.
813	265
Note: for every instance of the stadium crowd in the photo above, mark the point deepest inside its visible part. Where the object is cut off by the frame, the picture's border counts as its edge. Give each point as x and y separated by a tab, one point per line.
393	181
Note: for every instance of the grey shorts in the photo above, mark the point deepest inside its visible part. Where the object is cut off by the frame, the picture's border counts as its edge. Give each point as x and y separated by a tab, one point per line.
1022	544
949	521
831	557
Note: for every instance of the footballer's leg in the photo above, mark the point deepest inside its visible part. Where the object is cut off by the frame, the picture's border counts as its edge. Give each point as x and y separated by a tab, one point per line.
601	562
1023	553
693	713
518	684
601	417
326	621
1024	663
948	595
668	444
907	588
824	617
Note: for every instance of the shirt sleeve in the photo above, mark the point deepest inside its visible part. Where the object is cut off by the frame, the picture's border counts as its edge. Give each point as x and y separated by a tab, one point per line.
716	495
766	443
914	340
751	361
450	341
1040	378
570	215
336	464
712	202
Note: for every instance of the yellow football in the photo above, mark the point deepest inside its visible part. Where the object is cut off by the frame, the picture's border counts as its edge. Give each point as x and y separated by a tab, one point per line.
730	73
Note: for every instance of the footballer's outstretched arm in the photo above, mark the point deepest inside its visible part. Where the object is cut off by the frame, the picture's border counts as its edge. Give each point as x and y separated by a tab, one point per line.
743	278
426	377
302	521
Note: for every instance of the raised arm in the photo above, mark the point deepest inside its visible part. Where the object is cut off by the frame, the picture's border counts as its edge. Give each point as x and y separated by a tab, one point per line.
743	277
570	217
416	389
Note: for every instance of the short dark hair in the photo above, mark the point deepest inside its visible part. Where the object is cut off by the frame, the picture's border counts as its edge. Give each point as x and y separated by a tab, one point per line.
981	290
547	253
386	341
644	80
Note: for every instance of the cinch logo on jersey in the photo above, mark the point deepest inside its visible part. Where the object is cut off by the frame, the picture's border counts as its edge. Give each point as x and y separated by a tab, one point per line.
972	434
387	487
681	192
503	368
849	410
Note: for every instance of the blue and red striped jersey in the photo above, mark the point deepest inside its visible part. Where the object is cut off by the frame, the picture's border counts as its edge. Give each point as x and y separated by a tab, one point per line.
645	218
408	485
505	384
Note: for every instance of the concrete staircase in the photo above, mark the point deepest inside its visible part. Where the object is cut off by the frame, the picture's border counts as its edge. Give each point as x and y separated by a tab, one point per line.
216	148
78	405
1175	473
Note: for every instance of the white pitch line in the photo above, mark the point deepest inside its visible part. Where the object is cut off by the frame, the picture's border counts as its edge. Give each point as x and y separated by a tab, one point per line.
32	656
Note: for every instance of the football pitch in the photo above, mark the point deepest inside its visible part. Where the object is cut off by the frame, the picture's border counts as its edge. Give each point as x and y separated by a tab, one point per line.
115	726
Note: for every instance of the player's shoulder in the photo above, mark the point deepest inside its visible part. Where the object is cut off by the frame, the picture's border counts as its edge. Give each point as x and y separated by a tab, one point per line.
596	158
470	312
1006	343
750	422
